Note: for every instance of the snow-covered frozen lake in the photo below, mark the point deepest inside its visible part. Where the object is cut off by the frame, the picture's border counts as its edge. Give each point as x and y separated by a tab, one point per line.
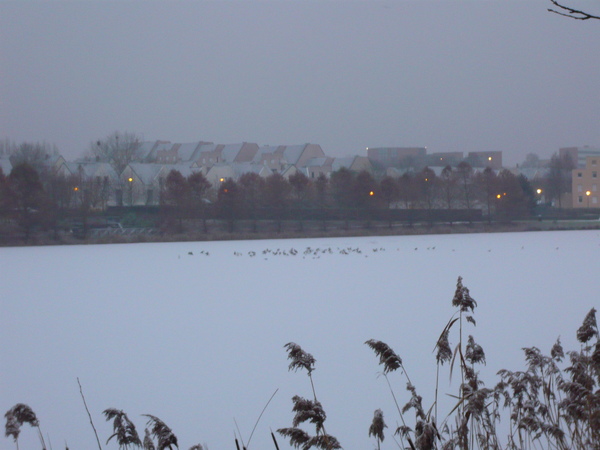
193	332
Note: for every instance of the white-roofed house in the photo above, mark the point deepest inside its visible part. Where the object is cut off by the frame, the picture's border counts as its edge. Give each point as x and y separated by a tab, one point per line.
181	153
149	150
315	167
218	173
298	155
280	158
269	156
90	181
352	163
5	165
239	153
139	184
240	169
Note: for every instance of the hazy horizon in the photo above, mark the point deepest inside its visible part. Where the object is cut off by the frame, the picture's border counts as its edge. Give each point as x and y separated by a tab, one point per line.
450	76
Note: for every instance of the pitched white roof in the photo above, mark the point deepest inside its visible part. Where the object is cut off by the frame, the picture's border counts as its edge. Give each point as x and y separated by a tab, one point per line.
262	150
5	165
345	162
316	162
292	153
186	151
146	172
230	151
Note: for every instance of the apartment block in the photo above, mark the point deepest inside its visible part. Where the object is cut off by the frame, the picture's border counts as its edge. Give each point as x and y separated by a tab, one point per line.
585	184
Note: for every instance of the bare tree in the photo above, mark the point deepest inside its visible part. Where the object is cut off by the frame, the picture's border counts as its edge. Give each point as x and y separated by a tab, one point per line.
465	175
558	179
448	184
427	183
35	154
567	11
532	160
119	149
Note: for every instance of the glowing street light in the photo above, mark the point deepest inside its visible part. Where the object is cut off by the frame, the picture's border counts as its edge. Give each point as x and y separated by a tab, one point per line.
539	191
588	193
130	179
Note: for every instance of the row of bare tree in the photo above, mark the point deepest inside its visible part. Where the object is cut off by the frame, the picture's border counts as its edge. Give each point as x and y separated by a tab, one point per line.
455	188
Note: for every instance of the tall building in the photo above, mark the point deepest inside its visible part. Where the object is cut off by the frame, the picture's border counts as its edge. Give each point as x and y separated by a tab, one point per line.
578	155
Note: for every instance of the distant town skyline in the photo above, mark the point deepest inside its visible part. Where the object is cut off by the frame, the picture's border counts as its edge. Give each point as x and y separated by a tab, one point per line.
464	76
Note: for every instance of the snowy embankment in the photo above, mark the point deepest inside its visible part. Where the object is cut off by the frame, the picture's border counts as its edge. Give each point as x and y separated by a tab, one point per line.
193	332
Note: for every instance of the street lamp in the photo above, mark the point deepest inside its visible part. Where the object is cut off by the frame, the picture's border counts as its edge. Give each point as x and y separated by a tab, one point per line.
588	193
130	180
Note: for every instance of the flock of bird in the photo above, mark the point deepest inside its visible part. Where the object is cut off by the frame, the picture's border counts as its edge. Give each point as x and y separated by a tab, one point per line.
315	253
309	252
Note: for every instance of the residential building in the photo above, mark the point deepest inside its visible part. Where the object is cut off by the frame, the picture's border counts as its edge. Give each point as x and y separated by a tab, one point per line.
585	184
491	159
394	156
352	163
443	159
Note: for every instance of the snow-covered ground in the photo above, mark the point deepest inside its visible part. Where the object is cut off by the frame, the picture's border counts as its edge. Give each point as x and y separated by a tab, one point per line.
193	332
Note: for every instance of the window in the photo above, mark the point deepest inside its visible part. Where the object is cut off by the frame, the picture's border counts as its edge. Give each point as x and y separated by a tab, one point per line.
580	199
579	188
593	162
579	175
594	200
594	174
594	187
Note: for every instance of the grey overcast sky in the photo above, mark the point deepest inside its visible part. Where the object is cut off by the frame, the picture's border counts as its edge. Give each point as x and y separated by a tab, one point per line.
448	75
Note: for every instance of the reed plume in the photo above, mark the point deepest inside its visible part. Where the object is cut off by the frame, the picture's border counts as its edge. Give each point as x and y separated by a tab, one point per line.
123	429
299	358
16	417
161	432
589	328
377	426
306	410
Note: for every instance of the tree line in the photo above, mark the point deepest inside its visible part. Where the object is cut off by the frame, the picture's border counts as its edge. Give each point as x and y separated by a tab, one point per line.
35	200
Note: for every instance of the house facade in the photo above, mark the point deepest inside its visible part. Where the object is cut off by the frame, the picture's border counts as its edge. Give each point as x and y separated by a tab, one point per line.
585	184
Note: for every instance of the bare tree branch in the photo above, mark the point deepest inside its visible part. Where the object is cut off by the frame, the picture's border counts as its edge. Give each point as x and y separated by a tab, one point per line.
571	12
